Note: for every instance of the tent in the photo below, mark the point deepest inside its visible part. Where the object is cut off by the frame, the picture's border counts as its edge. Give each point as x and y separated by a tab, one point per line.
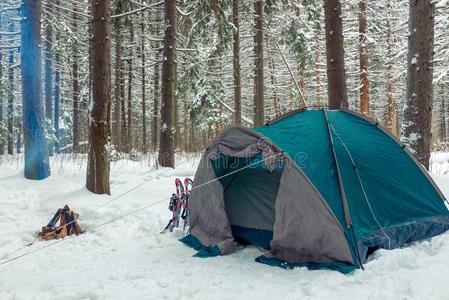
319	188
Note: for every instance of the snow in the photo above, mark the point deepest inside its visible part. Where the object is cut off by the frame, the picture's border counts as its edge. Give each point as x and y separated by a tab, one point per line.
129	259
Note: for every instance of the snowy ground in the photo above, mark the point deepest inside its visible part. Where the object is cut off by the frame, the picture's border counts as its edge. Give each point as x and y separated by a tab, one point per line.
129	259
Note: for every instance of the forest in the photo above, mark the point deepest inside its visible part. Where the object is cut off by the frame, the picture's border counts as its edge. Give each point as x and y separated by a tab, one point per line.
123	78
224	149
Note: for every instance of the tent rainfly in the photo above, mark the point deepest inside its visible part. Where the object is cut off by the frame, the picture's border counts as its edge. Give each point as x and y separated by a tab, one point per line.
319	188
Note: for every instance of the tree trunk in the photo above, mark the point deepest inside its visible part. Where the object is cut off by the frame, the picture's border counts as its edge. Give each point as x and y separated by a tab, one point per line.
186	124
156	101
336	74
391	121
144	109
363	56
156	85
2	145
11	103
442	121
36	149
259	109
116	122
276	98
166	152
97	180
124	124
130	86
177	135
48	64
76	90
416	127
57	89
318	98
236	63
57	99
19	136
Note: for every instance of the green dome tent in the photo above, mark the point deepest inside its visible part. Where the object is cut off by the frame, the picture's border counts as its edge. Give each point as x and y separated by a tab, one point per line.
317	188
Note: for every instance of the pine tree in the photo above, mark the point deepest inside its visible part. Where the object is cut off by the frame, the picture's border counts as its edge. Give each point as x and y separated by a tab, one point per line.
363	56
2	127
97	179
11	101
336	73
36	150
116	118
236	63
416	128
166	148
76	89
259	105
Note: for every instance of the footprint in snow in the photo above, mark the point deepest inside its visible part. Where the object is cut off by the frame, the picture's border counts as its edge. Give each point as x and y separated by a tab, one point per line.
162	283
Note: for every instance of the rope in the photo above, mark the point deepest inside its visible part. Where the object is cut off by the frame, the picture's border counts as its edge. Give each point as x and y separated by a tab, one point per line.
362	186
92	228
88	213
120	216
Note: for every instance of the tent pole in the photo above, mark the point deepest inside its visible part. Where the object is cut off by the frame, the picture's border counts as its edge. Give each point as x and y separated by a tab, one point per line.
342	190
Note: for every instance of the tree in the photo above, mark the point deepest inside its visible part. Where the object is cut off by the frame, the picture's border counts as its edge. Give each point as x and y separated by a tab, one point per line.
363	56
166	148
76	88
2	127
11	102
156	83
48	63
36	150
97	179
259	105
336	73
144	110
416	128
57	91
116	119
391	121
236	63
130	86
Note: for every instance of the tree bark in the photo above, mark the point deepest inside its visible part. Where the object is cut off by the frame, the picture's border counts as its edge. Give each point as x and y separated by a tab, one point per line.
186	124
2	145
156	101
336	73
144	109
276	98
97	180
57	99
76	90
363	57
130	86
156	85
166	151
124	124
259	108
36	149
236	63
11	103
48	65
416	128
318	97
116	122
391	121
57	89
442	121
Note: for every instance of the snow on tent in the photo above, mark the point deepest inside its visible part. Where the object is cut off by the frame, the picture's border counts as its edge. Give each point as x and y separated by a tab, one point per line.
316	188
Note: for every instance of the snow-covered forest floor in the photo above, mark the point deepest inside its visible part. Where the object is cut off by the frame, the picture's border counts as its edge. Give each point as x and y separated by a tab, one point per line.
129	259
